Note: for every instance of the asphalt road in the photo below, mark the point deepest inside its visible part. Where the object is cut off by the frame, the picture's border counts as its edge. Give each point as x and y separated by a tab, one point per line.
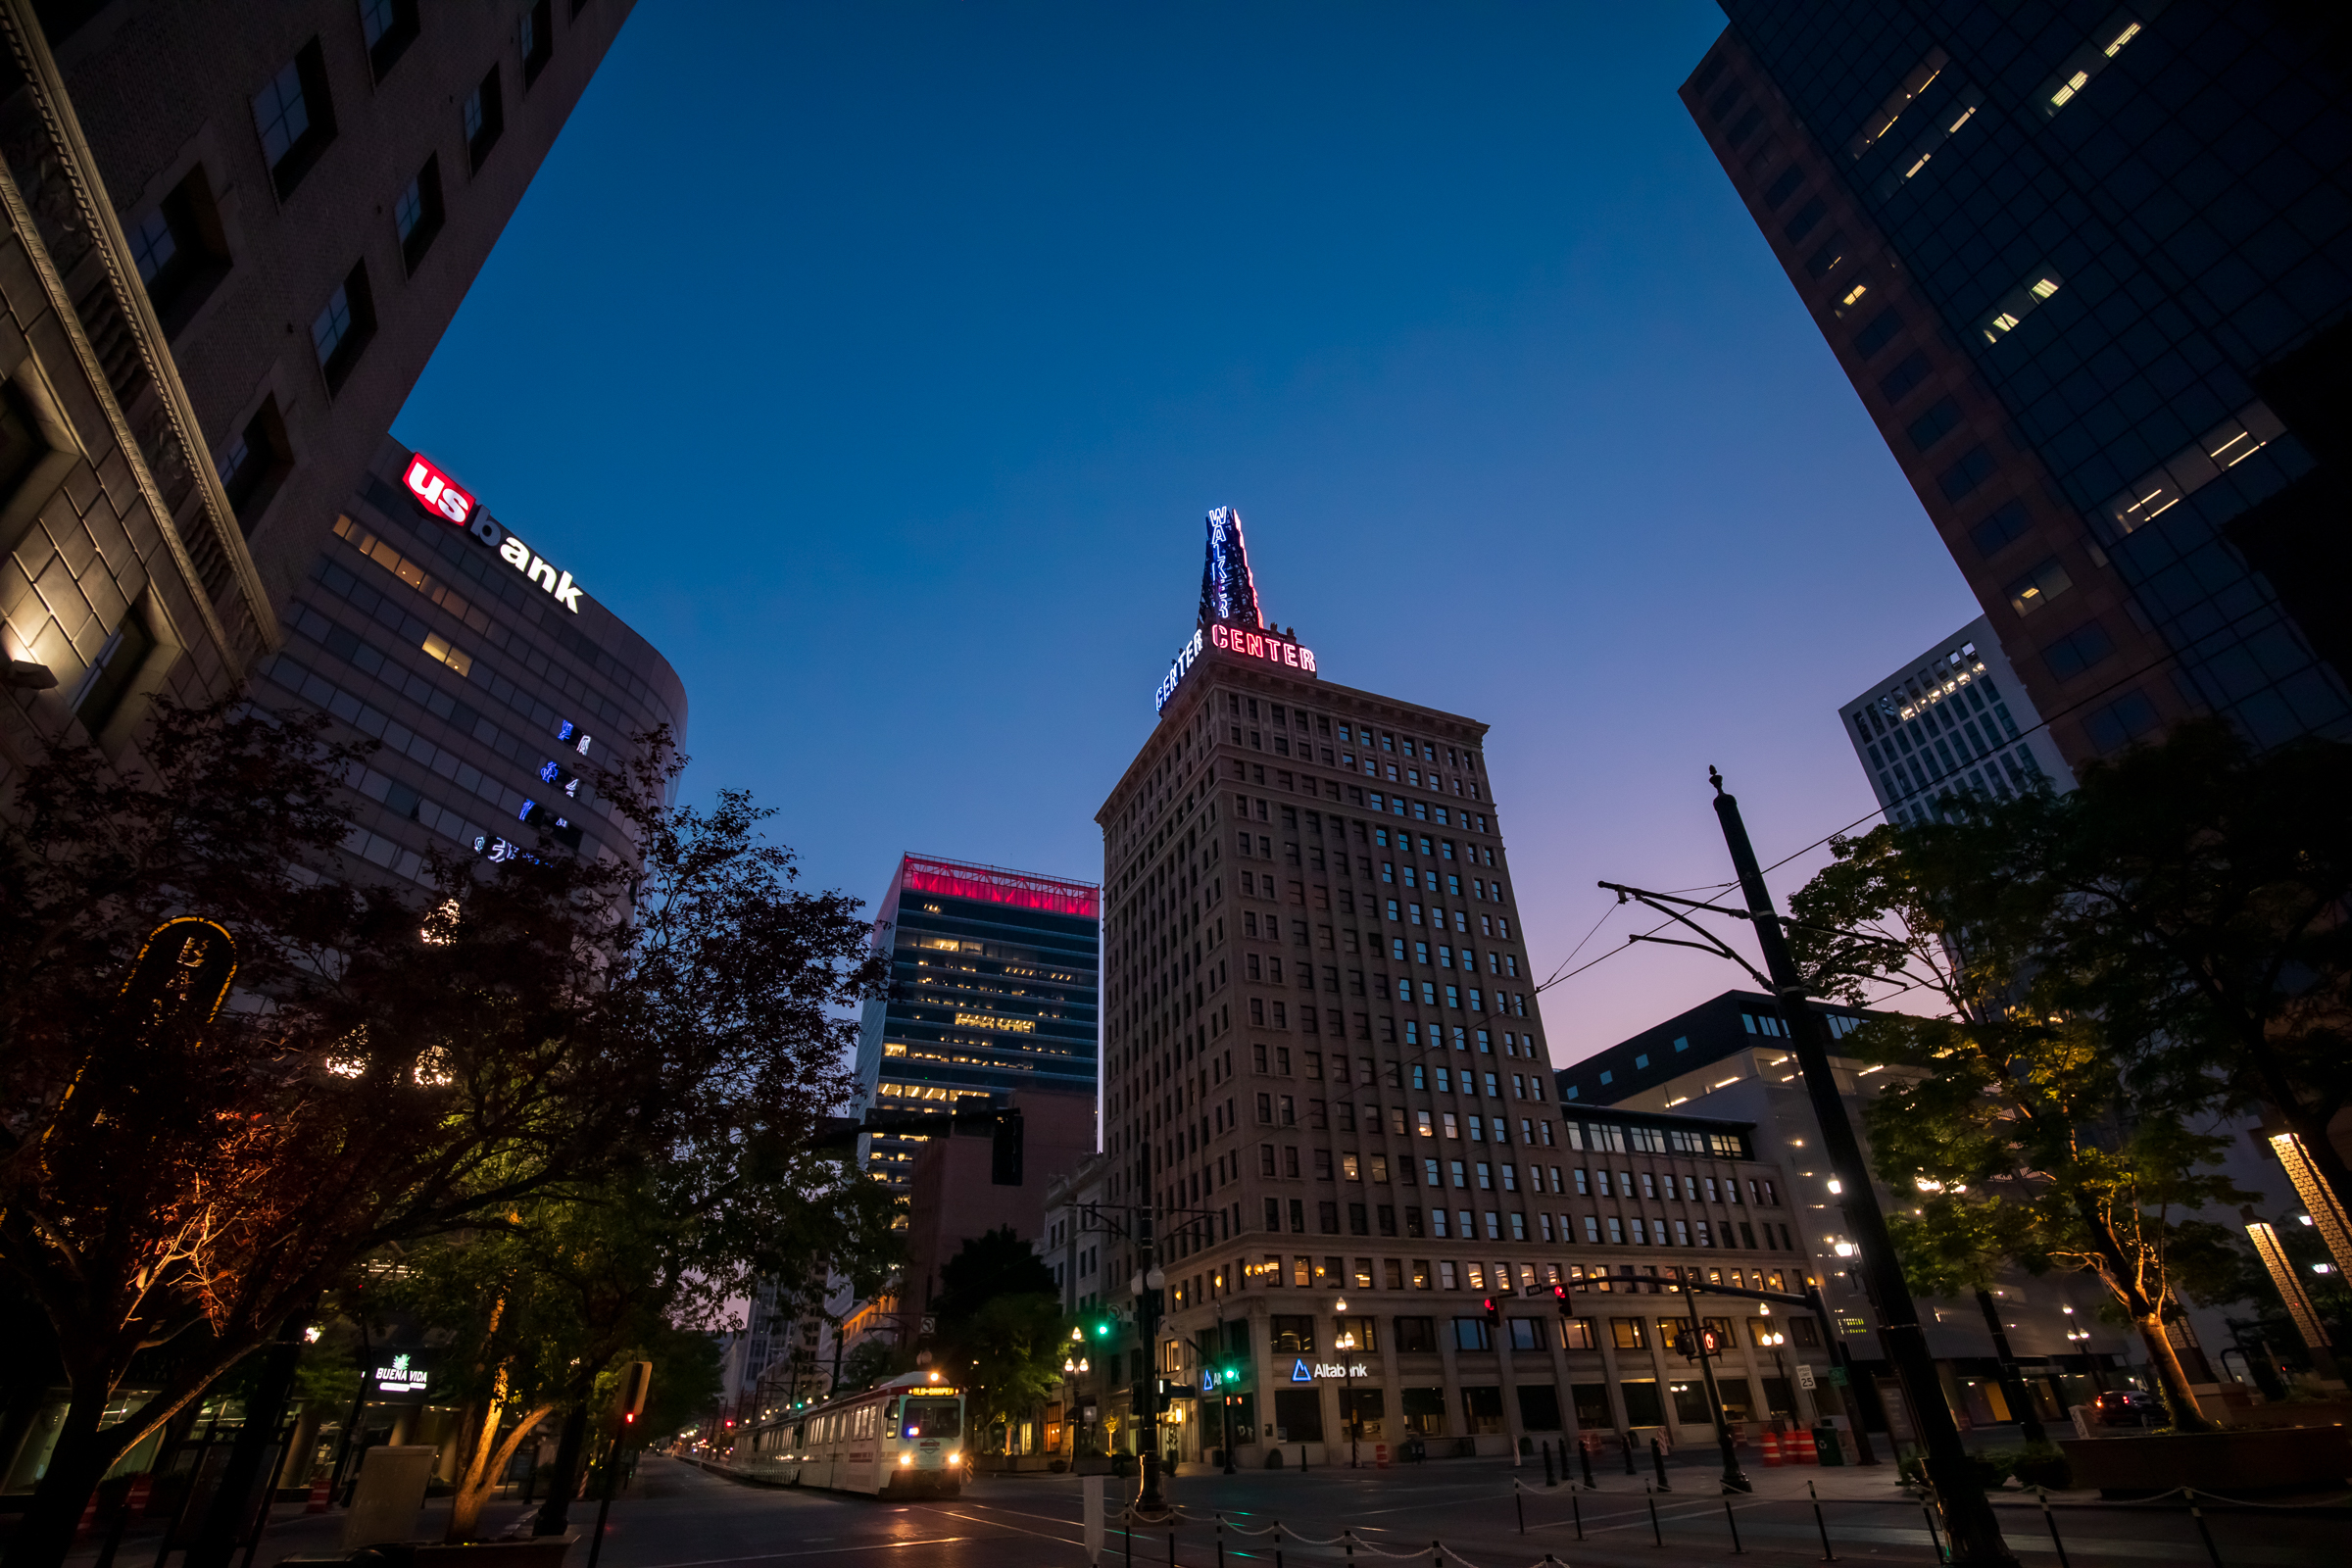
678	1516
684	1518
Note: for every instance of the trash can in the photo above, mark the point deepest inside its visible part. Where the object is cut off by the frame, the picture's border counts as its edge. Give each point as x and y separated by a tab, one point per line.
1824	1441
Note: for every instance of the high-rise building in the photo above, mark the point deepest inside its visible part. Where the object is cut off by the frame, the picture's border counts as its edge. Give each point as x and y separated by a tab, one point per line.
241	233
1955	720
2088	268
497	684
993	990
1325	1072
308	191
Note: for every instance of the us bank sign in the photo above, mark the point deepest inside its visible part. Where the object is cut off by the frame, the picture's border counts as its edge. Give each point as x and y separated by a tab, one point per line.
437	492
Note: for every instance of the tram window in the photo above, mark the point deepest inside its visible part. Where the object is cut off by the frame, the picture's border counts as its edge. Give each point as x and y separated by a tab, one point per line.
935	1418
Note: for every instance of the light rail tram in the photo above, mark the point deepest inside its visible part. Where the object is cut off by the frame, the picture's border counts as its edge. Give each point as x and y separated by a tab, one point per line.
901	1439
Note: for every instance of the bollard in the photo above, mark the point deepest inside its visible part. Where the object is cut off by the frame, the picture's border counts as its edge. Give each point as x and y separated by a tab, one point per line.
1655	1531
2198	1514
1629	1455
1548	1481
1127	1518
2051	1519
1577	1509
1437	1556
1827	1553
1519	1498
1657	1459
1738	1550
1584	1453
1934	1540
1171	1549
1220	1541
1302	1458
1277	1543
1347	1537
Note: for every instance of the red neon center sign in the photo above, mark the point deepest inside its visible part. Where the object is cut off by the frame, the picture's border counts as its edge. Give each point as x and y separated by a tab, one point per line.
1257	645
438	490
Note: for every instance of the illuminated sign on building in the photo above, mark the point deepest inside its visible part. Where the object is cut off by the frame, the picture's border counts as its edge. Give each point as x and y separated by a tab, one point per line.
438	492
1231	617
978	1021
1303	1372
400	1377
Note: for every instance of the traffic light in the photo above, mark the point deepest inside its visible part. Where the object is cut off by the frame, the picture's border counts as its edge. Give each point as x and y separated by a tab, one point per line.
1566	1299
1710	1341
1492	1308
1004	1154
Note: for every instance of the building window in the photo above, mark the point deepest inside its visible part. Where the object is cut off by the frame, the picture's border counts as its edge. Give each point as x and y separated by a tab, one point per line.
388	26
108	684
256	465
2039	587
2078	651
1962	477
417	215
2120	722
538	39
484	117
341	330
295	118
2005	525
1935	425
181	250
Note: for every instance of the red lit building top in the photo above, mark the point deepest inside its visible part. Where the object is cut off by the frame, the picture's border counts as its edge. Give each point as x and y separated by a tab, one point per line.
964	879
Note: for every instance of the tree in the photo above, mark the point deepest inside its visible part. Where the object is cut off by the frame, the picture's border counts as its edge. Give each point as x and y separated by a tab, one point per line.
391	1066
1001	1326
2199	892
871	1361
2014	1137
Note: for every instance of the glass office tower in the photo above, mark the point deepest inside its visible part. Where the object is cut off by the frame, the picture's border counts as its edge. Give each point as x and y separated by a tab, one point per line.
2088	268
993	989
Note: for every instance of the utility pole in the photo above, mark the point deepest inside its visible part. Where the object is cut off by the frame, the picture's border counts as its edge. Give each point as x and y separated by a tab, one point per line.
1976	1533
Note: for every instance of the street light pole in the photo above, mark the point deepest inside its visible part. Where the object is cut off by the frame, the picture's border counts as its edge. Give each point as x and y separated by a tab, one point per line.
1345	1344
1976	1532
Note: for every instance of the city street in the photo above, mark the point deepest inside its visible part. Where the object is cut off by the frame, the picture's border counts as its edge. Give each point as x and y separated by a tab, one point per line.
677	1516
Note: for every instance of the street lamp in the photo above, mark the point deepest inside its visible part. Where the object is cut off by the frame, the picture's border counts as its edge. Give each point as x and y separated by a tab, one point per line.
1146	1286
1345	1346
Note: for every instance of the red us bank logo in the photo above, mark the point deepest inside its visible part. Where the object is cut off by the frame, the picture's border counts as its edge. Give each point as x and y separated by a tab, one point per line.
438	490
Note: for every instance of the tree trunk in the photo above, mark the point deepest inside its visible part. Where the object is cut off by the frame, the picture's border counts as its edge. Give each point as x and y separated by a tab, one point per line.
83	1456
2171	1382
2013	1383
489	1462
555	1514
232	1509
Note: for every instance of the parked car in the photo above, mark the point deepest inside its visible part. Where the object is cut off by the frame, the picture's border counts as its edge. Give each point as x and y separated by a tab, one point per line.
2127	1408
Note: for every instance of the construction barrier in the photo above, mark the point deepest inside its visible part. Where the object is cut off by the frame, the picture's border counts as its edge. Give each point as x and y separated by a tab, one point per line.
1771	1449
1380	1455
320	1492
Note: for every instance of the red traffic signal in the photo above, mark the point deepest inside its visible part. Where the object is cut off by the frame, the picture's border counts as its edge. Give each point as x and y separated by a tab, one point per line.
1566	1299
1492	1309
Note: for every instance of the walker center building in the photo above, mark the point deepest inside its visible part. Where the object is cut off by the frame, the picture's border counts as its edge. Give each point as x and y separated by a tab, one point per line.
1328	1096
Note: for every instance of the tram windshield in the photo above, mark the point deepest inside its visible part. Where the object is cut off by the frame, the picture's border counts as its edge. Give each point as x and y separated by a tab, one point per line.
933	1417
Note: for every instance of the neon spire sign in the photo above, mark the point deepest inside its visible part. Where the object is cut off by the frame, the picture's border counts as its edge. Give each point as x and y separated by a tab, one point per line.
1231	617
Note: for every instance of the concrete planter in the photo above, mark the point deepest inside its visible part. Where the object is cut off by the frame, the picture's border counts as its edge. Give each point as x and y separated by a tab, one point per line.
2228	1463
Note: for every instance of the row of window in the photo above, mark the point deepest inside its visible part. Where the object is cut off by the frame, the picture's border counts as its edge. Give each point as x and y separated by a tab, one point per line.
1282	1111
1269	927
1517	1225
1237	706
1275	1014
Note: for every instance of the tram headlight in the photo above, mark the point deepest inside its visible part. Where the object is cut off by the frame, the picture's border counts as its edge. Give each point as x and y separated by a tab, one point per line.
906	1459
952	1457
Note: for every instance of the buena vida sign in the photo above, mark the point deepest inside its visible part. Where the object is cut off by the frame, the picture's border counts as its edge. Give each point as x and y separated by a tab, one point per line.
437	492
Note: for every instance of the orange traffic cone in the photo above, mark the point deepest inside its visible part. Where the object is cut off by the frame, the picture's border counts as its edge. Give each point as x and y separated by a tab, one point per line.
1771	1449
1806	1450
319	1495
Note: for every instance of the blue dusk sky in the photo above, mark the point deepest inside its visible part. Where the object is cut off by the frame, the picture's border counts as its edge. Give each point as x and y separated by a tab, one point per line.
879	363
